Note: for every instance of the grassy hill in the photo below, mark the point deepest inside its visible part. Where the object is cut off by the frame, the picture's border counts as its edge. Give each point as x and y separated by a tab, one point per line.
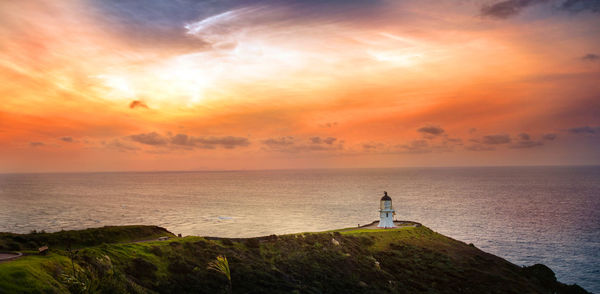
80	238
403	260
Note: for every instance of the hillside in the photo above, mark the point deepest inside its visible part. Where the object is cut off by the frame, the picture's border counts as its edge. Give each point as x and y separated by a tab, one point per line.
404	260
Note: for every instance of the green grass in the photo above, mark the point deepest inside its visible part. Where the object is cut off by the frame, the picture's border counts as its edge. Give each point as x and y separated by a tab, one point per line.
359	231
401	260
384	237
33	274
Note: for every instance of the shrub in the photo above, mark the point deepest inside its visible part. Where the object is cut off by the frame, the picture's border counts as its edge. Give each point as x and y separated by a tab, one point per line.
252	243
366	241
156	250
141	268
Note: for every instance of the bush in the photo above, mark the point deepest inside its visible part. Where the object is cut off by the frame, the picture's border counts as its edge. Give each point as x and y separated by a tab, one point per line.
252	243
11	246
141	268
156	250
366	241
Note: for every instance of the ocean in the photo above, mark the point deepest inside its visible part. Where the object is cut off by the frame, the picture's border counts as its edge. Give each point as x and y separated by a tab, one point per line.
527	215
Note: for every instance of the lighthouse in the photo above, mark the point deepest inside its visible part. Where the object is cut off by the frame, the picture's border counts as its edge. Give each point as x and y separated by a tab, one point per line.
386	212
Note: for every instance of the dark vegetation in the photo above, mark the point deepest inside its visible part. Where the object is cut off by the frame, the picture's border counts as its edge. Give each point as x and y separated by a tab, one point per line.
407	260
81	238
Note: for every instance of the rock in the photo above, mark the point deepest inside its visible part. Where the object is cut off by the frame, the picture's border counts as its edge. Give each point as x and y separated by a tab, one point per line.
541	272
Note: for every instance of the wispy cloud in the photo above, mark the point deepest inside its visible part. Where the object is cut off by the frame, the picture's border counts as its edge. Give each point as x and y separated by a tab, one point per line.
496	139
590	57
227	142
525	141
210	142
282	141
319	140
525	144
584	130
372	146
524	136
431	130
293	145
119	145
218	29
152	138
169	142
415	146
508	8
581	5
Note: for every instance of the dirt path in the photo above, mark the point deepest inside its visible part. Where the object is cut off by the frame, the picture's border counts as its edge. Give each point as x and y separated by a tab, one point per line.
373	225
4	256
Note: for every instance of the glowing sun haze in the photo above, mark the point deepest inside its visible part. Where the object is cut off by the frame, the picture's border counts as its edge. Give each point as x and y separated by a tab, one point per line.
194	85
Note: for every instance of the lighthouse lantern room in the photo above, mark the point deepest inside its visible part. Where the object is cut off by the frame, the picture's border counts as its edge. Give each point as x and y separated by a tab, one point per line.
386	212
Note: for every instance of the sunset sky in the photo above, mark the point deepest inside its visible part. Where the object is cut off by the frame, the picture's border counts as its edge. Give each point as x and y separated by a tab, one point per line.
216	85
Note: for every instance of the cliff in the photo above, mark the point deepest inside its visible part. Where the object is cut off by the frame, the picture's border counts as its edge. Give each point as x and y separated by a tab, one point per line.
411	259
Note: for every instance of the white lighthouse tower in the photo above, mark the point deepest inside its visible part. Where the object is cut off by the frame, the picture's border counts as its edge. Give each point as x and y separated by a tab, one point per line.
386	212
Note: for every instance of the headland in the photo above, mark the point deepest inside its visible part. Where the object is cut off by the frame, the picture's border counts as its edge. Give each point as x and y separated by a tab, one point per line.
410	258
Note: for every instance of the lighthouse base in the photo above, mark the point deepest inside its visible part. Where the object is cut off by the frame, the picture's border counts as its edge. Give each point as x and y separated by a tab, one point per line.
386	223
392	227
397	223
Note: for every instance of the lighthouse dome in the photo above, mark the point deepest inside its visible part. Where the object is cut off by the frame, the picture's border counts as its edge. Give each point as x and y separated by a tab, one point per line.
386	197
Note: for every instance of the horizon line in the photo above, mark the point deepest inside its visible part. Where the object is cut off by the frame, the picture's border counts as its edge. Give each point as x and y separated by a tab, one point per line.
296	169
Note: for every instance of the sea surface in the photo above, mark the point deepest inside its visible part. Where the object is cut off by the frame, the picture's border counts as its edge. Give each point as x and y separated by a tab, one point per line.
528	215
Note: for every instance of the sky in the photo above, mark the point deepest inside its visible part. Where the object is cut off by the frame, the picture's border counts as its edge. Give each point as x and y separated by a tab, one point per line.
153	85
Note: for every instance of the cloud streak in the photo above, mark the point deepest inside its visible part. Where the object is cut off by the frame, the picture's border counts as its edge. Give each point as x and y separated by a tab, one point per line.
120	146
319	140
276	142
153	139
227	142
526	144
584	130
290	144
496	139
525	141
549	137
508	8
581	5
185	141
590	57
431	130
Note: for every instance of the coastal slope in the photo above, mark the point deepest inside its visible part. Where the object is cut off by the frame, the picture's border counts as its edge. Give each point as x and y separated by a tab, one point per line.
408	259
